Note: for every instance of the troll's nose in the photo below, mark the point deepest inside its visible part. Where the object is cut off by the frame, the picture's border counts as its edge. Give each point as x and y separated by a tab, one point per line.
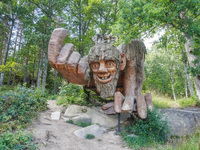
102	67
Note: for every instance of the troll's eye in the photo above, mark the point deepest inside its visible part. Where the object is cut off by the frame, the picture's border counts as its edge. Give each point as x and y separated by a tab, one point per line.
110	64
95	65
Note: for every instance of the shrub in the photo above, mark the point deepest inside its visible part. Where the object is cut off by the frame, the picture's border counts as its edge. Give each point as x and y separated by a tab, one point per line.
19	107
191	142
16	141
89	136
147	132
189	102
72	94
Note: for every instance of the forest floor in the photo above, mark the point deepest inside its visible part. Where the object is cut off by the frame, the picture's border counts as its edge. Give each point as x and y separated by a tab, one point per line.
59	135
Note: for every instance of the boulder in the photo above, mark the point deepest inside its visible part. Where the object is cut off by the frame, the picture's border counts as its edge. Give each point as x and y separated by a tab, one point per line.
93	129
96	114
55	115
182	121
82	118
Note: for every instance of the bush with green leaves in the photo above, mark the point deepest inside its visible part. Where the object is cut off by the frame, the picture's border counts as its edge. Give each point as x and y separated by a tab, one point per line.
189	102
72	94
16	141
89	136
17	108
147	132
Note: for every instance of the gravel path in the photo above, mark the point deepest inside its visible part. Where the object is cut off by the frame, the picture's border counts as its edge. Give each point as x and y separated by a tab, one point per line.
59	135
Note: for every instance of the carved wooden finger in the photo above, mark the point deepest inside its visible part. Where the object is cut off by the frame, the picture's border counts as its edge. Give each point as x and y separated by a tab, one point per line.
128	104
107	106
73	62
148	99
82	67
55	44
65	53
141	107
118	102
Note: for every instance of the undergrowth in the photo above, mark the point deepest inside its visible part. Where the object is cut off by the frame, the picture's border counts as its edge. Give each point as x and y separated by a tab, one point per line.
81	124
17	108
185	143
164	102
89	136
189	102
16	141
148	132
72	94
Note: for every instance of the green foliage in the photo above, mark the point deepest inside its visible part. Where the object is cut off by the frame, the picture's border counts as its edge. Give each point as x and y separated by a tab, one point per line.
89	136
147	132
19	107
70	121
16	141
8	66
82	124
163	102
72	94
189	102
186	143
159	68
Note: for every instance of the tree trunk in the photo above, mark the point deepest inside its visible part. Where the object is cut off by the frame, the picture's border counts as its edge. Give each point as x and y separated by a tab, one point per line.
25	70
189	83
19	48
187	78
45	72
39	73
7	49
80	28
33	73
10	73
55	81
186	89
172	78
3	40
191	58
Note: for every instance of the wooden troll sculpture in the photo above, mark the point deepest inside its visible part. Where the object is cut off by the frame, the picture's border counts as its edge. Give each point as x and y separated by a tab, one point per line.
110	71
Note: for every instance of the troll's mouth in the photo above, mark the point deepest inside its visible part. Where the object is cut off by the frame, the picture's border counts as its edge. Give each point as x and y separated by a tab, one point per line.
104	78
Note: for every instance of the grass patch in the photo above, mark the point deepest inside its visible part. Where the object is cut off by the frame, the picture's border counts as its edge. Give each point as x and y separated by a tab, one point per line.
185	143
189	102
81	124
16	141
163	102
148	132
89	136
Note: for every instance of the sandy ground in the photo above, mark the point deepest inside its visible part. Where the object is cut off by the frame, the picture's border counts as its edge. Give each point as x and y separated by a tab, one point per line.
59	135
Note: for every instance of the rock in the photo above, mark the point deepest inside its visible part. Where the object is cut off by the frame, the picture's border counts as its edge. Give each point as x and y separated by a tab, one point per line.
65	118
93	129
96	114
51	104
55	115
82	118
182	122
112	142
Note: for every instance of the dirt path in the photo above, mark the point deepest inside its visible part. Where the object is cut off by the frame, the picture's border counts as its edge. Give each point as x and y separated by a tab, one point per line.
59	135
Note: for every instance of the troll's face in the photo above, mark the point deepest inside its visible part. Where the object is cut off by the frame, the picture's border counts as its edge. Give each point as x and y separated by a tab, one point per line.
104	60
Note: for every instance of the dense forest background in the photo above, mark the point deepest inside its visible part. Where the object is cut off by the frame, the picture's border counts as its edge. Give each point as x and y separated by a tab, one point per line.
172	65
